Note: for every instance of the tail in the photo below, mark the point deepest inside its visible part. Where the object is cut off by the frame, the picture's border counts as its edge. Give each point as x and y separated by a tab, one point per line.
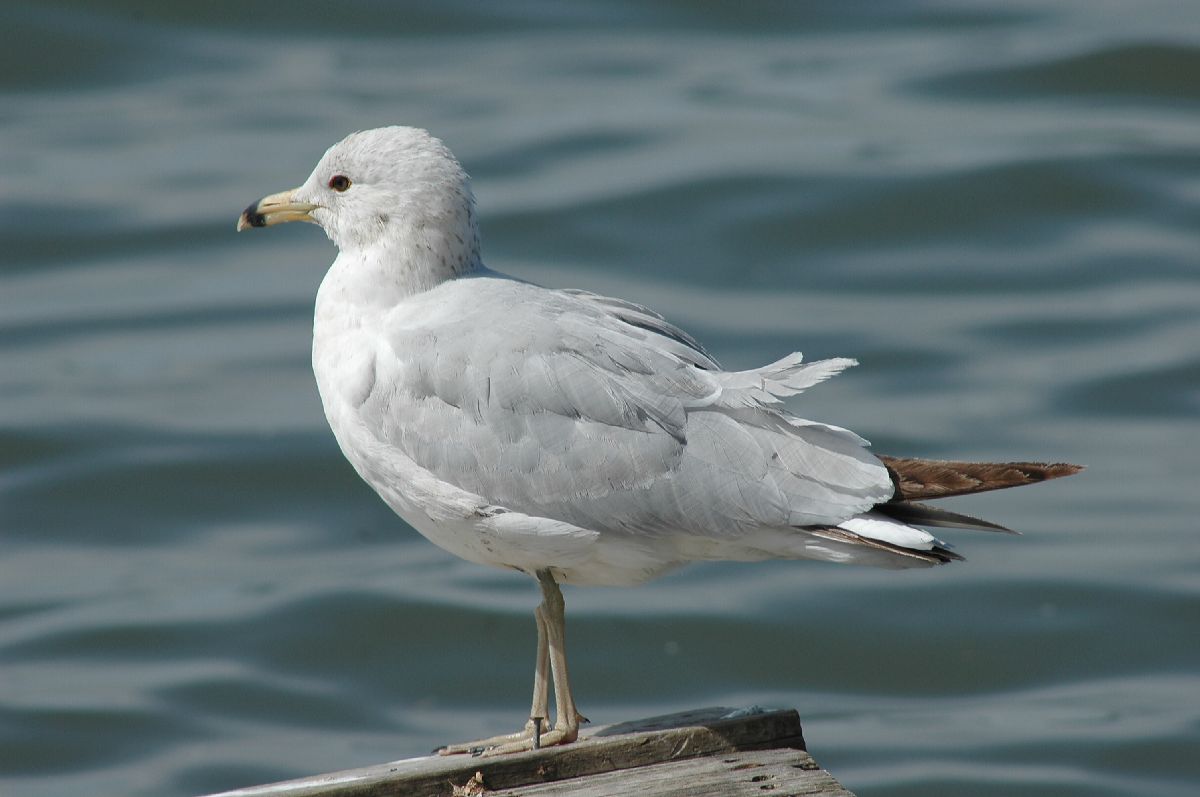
918	479
930	479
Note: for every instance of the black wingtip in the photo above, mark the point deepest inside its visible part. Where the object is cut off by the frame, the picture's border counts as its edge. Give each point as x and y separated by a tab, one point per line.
945	556
924	515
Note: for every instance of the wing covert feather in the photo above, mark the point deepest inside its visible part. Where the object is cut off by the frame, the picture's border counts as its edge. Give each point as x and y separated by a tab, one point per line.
599	413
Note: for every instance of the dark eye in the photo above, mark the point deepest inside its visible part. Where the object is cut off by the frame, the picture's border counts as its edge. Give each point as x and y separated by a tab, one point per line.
339	182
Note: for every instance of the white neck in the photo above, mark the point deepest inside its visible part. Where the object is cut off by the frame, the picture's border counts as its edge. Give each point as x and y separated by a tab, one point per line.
406	257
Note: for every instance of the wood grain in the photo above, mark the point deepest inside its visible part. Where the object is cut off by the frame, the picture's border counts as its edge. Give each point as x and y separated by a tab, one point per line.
717	751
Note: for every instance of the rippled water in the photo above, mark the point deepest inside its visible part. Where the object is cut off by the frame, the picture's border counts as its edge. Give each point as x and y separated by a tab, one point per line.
994	210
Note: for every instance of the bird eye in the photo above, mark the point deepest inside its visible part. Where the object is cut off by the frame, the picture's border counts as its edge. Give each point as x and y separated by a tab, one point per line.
339	182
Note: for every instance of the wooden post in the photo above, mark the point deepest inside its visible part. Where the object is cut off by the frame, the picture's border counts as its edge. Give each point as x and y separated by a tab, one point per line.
714	751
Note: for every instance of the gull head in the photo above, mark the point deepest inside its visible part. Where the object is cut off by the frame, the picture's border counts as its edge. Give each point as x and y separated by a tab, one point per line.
396	188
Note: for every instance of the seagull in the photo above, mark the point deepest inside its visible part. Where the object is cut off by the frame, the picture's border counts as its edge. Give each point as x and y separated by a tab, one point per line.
577	438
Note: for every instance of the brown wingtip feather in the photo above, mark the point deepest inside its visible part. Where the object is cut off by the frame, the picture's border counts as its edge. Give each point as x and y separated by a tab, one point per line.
924	479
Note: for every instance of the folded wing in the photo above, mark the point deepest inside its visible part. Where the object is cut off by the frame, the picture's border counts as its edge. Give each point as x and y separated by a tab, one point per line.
600	413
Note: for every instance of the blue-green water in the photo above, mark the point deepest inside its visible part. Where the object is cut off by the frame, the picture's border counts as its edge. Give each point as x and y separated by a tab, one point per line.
996	209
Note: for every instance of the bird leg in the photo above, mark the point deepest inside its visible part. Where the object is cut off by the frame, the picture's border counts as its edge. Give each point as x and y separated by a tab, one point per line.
539	711
566	726
551	663
551	617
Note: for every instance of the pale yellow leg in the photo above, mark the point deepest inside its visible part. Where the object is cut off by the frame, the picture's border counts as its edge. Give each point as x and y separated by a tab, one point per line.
552	662
566	726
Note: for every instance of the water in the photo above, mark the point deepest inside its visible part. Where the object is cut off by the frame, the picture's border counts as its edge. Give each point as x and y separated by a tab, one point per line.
995	210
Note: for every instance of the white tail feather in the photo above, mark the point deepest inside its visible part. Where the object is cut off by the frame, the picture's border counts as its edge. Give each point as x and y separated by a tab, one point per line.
884	529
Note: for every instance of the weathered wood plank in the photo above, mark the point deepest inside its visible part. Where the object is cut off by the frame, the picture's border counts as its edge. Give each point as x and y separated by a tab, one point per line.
612	751
757	773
